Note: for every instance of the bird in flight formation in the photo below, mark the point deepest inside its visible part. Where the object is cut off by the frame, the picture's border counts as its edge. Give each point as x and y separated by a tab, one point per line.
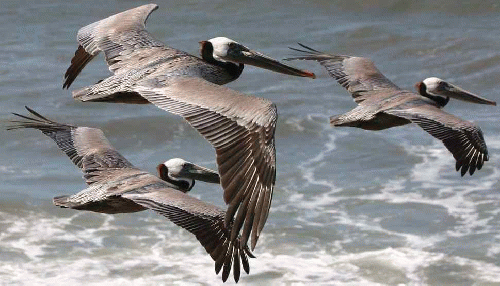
382	105
240	128
116	186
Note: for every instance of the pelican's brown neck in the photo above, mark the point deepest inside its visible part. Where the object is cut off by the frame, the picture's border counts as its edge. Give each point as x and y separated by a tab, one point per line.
422	90
182	185
207	54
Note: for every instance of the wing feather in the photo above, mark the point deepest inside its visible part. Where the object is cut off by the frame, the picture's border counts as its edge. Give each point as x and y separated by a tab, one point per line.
462	138
203	220
87	147
358	75
117	36
243	138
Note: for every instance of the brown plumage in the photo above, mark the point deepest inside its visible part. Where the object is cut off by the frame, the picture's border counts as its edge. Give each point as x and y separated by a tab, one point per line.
382	104
241	129
116	186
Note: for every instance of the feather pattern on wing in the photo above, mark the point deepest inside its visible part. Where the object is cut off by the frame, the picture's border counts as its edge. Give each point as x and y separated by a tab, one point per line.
87	147
358	75
241	129
205	221
462	138
117	36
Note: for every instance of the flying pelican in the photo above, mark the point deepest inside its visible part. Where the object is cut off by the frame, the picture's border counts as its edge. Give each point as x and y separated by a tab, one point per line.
137	58
240	127
382	105
116	186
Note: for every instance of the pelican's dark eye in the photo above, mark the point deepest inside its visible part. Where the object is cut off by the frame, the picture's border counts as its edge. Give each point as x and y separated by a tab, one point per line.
231	45
442	85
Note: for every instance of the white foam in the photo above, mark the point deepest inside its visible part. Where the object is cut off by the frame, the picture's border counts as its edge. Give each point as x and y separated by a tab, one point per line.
90	260
161	253
309	166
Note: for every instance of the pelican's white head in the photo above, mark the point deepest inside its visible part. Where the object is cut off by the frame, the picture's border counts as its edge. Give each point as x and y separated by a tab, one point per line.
434	84
222	46
175	167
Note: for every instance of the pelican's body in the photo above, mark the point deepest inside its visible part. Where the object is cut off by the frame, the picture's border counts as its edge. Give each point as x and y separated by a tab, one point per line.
382	105
116	186
240	127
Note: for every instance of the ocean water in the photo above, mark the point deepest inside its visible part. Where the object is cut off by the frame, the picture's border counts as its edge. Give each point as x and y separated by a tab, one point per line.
351	207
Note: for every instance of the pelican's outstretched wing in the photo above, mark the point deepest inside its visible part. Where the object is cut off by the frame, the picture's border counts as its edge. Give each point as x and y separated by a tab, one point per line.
124	40
203	220
241	129
358	75
462	138
87	147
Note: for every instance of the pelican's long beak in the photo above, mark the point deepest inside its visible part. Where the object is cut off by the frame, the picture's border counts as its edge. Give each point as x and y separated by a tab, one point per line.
456	92
199	173
249	57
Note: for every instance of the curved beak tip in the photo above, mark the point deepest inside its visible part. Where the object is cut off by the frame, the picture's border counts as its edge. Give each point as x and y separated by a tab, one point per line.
310	74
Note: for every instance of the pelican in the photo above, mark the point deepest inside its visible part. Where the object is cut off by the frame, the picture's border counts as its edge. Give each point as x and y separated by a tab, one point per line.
240	127
116	186
136	58
382	105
